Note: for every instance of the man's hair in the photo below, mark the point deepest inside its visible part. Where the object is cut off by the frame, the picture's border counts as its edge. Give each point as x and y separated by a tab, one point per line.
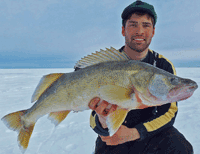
140	13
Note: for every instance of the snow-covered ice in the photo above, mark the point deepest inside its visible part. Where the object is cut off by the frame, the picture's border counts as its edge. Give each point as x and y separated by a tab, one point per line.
74	135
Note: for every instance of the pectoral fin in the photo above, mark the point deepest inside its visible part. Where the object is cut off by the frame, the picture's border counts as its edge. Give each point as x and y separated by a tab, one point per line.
44	83
115	119
114	94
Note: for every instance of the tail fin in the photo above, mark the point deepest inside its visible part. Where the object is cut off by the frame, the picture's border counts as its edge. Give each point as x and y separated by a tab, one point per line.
24	137
14	122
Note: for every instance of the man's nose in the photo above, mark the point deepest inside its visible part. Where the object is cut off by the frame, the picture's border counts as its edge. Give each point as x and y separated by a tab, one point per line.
139	29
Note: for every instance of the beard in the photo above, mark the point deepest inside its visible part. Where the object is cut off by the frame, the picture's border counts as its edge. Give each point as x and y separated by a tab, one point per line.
138	47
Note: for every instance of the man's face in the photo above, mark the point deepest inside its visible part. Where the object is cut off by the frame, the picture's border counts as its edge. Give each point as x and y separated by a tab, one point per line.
138	32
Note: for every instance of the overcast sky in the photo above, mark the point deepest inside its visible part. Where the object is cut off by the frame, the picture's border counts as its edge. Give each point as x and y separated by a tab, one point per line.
57	33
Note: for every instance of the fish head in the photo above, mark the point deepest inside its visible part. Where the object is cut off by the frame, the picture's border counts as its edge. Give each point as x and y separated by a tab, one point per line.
160	87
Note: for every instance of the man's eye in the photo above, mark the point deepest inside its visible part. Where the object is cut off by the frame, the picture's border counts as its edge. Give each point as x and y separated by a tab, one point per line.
133	25
146	25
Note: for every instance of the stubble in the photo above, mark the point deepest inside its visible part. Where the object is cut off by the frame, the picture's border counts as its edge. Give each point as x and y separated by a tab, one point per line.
138	47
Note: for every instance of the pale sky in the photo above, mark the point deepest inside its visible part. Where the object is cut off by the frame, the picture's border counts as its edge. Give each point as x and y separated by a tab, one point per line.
57	33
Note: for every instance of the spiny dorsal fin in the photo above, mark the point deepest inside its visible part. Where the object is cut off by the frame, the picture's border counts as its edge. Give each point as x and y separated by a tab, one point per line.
44	83
101	56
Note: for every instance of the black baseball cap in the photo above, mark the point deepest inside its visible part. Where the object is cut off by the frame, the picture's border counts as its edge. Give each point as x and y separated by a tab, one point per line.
139	6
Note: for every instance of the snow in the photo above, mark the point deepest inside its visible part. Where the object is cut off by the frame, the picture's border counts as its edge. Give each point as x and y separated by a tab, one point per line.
74	134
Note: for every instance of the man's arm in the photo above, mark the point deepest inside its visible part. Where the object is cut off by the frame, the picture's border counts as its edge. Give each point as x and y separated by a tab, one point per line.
124	134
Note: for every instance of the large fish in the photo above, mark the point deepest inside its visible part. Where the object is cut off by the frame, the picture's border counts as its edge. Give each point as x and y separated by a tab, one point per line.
106	74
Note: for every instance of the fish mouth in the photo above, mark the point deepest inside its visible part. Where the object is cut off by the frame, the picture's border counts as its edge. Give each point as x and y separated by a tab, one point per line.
193	87
183	92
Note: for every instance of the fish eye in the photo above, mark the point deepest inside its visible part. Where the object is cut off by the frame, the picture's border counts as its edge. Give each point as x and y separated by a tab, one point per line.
174	81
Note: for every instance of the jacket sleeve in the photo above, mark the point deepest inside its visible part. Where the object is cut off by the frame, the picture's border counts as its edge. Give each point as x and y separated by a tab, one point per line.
165	114
96	125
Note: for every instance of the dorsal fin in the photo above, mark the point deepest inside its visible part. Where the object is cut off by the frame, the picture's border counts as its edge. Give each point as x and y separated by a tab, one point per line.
101	56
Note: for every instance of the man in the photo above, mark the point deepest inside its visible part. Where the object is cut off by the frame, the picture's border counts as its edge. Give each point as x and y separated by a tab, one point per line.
144	131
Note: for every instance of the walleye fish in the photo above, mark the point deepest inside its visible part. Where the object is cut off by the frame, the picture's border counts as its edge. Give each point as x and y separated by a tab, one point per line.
107	74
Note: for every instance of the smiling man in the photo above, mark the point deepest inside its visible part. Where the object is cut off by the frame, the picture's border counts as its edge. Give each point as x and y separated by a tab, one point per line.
148	130
138	31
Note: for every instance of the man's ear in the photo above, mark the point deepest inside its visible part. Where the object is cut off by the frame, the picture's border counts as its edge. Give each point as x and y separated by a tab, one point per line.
123	31
153	31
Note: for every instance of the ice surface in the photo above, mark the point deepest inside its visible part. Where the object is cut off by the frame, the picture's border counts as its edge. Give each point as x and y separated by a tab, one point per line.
74	135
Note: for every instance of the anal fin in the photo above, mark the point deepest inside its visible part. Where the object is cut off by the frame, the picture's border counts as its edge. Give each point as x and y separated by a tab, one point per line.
58	117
